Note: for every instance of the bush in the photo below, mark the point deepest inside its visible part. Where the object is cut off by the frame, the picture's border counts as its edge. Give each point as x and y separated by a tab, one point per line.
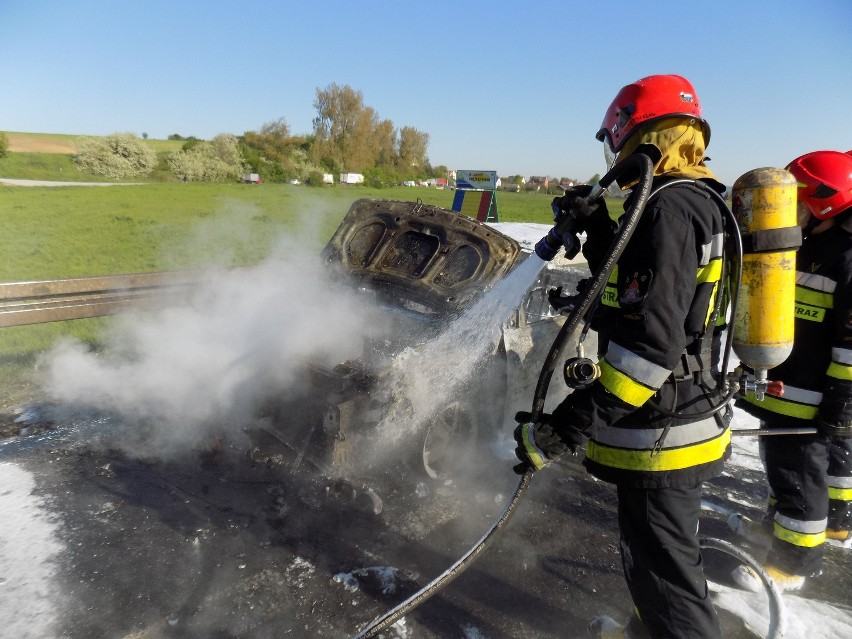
314	179
4	144
216	161
116	156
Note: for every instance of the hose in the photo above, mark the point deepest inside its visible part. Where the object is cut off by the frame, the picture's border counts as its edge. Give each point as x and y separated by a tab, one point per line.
777	610
630	220
389	618
764	432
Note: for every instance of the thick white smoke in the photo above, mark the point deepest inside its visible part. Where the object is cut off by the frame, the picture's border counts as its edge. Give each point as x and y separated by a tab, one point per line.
201	369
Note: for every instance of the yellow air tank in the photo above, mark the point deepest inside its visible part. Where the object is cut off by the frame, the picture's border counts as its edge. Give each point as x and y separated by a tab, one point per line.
764	204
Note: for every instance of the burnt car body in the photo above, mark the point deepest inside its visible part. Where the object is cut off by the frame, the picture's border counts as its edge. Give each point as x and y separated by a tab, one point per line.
424	266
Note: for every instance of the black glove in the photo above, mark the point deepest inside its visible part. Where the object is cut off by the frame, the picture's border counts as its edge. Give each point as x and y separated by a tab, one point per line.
574	214
560	302
832	429
539	443
573	204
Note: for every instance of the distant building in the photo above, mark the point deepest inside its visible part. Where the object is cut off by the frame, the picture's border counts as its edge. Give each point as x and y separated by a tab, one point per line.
538	183
512	184
351	178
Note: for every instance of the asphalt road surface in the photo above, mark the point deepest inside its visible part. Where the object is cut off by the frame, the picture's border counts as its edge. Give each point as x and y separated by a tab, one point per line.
228	542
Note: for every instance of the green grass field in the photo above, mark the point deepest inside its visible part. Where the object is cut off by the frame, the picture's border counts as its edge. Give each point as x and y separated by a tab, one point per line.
58	232
77	231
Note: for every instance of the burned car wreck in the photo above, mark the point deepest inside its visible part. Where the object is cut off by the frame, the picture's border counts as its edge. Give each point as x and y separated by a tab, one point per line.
425	267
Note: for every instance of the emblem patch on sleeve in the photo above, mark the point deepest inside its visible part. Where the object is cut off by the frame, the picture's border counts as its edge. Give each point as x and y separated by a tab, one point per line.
634	287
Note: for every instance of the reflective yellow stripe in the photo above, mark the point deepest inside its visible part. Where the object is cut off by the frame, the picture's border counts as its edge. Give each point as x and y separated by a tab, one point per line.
840	494
610	292
710	273
533	451
622	386
671	459
778	405
810	313
839	371
814	298
804	540
711	306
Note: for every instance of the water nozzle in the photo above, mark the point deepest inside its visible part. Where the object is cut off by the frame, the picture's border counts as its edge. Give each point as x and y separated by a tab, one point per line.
548	246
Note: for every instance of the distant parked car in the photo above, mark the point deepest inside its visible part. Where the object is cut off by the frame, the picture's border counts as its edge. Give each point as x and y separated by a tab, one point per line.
294	181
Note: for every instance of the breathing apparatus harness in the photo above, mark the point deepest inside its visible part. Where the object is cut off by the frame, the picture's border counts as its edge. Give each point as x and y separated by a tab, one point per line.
581	372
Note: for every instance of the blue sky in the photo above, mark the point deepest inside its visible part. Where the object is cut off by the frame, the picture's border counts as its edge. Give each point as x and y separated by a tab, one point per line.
516	87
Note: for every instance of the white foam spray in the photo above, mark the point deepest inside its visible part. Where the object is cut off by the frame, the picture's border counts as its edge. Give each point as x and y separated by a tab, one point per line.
433	375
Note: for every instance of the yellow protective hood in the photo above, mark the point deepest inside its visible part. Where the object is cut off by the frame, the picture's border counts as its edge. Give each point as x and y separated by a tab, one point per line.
681	145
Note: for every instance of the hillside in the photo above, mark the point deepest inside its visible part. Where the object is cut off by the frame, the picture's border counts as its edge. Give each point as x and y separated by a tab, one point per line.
66	144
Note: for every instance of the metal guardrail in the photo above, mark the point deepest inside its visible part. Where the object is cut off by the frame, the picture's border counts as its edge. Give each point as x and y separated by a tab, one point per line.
23	303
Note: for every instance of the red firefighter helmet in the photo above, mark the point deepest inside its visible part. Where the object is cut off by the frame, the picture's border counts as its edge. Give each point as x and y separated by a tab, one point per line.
825	182
648	99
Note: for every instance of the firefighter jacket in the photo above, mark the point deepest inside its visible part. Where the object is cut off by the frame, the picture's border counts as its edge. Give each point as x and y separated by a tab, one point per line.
658	306
817	375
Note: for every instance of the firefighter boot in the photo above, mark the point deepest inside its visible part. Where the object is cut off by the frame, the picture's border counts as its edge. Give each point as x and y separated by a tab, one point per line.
839	518
603	627
840	538
748	579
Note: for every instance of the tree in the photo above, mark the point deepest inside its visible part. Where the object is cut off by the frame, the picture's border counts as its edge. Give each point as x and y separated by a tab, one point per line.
4	144
338	112
384	141
412	148
348	135
116	156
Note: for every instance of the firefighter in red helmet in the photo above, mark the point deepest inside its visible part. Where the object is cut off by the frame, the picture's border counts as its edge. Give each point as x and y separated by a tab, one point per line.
810	477
659	325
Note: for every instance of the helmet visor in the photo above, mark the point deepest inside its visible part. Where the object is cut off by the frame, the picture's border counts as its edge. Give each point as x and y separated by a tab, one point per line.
610	155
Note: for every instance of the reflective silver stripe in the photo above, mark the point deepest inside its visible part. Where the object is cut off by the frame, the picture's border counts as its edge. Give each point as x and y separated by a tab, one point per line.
801	396
815	282
799	526
841	356
635	367
839	482
647	438
712	249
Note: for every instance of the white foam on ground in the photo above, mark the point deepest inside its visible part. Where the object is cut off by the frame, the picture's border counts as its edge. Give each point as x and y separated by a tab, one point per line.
29	601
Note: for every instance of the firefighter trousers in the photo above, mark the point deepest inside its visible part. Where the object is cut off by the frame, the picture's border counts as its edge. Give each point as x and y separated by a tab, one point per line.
661	557
810	483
